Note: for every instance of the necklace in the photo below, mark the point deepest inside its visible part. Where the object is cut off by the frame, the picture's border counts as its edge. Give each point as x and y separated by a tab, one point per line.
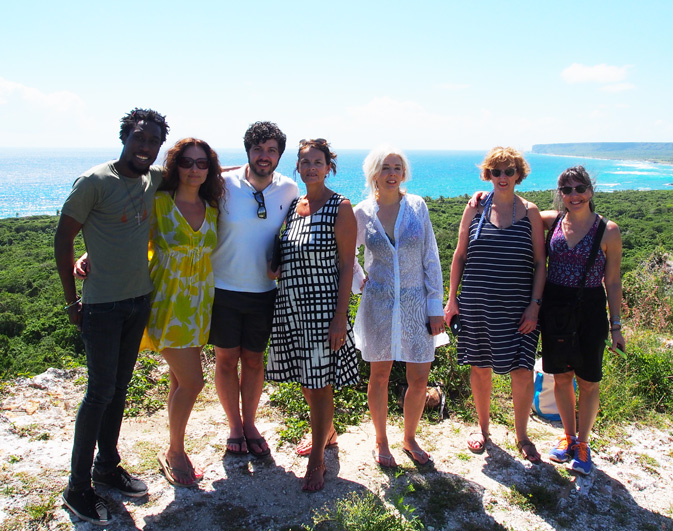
138	215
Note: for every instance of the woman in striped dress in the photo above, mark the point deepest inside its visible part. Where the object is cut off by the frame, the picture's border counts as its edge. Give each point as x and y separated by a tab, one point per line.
501	260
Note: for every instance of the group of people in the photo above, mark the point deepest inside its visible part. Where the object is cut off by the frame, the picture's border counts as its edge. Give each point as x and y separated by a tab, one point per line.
222	272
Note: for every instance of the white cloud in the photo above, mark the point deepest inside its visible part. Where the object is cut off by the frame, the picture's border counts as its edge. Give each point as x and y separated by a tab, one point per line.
35	117
602	73
453	86
618	87
61	101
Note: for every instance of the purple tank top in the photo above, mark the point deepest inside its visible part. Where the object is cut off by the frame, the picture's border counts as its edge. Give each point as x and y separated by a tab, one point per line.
566	265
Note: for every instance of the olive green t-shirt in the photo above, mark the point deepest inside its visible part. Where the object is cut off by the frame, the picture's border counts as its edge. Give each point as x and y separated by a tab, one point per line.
114	211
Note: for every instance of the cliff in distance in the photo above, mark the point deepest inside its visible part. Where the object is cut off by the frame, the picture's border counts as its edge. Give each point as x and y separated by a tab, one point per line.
649	151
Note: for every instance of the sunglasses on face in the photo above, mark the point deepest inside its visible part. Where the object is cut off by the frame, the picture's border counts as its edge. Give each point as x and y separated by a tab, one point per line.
261	207
304	141
188	162
567	190
509	172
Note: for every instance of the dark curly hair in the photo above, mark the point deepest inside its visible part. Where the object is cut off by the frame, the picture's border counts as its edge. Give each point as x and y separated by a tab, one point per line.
212	190
260	132
130	120
322	145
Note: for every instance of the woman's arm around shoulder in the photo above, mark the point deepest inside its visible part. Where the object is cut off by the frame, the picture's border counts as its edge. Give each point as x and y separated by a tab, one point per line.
548	217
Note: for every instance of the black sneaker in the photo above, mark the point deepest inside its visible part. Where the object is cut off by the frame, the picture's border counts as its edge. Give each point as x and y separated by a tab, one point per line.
87	505
121	480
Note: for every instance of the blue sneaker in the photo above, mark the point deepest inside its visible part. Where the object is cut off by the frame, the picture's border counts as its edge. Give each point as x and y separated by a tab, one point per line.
565	449
582	460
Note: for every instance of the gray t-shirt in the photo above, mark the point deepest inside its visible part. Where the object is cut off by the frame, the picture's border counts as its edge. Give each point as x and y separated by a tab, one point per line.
114	211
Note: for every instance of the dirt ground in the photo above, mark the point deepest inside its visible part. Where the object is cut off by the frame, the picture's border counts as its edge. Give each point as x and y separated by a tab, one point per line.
630	488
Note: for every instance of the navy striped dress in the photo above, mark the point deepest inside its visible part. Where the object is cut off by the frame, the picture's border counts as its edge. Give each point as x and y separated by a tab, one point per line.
496	289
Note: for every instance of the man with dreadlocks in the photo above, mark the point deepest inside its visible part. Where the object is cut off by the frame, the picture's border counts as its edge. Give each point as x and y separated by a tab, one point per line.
110	204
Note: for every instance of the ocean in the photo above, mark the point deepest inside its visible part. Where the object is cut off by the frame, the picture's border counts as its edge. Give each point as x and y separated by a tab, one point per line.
36	182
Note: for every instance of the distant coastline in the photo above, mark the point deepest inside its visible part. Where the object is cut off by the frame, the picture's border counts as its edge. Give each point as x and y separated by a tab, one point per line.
653	152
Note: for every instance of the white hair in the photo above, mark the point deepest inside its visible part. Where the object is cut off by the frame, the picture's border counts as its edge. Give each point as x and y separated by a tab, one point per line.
374	162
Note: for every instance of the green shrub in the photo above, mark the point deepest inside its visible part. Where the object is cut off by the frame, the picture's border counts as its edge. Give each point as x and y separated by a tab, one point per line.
648	292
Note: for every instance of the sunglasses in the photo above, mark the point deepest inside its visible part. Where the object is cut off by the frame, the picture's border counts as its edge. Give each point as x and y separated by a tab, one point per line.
304	141
567	190
261	207
188	162
509	172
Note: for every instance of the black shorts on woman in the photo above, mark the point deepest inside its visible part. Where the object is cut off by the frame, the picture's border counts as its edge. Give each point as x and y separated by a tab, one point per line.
587	359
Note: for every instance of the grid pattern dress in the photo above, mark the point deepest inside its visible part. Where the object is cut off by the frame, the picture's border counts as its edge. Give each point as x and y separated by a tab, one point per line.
496	289
307	296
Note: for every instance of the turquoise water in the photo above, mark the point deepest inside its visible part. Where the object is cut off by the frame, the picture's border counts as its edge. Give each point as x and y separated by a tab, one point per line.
38	181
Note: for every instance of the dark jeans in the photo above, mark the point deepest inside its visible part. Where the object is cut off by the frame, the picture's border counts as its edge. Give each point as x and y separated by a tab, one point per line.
111	332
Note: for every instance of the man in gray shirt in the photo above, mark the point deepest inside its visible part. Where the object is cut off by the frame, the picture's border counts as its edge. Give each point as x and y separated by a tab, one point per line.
111	205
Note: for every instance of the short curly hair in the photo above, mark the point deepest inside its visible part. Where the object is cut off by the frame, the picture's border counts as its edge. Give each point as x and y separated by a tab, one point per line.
132	118
508	155
260	132
212	190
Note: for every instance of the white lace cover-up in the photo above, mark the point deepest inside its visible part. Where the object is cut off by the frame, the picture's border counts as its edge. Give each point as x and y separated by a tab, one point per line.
404	286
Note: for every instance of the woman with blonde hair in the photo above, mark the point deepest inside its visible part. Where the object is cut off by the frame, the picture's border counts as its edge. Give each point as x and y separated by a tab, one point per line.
400	313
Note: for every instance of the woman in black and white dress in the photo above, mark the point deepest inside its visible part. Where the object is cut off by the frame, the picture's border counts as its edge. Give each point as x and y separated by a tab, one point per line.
501	260
312	339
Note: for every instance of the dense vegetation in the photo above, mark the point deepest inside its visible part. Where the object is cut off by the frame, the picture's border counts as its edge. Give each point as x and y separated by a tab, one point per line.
35	334
650	151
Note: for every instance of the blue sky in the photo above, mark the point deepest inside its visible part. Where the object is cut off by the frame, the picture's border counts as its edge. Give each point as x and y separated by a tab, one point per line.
420	75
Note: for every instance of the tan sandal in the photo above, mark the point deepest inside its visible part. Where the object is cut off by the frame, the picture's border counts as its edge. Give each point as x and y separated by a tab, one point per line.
474	444
528	451
309	475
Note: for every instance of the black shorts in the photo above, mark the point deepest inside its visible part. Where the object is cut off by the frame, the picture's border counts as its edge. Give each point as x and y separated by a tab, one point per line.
593	330
242	319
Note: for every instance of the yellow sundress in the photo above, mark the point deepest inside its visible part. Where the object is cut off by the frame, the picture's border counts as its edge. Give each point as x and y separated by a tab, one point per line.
182	275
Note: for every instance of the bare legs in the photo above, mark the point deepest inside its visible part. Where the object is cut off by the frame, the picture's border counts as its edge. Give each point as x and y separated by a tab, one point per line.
523	389
248	388
377	397
186	377
480	381
564	392
414	402
321	403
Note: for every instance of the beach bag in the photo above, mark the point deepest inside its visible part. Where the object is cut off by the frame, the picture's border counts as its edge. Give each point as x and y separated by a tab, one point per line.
544	402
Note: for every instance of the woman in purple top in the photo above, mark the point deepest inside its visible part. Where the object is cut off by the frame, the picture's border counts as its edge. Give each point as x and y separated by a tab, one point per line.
569	248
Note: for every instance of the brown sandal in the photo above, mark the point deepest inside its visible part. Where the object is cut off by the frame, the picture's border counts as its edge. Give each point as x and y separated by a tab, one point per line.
528	451
309	474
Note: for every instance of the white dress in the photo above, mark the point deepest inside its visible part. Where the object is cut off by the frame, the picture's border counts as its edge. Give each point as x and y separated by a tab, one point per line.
404	286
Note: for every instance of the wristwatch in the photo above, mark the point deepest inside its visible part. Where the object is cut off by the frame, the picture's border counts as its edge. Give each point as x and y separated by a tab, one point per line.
537	301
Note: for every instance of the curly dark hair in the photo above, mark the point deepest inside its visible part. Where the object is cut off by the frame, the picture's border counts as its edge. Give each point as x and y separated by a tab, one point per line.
260	132
130	120
212	190
322	145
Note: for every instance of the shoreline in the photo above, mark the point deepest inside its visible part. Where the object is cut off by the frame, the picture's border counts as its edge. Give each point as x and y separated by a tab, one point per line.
649	161
443	198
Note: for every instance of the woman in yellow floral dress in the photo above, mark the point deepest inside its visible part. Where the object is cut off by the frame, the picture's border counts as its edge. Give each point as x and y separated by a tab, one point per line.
183	233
